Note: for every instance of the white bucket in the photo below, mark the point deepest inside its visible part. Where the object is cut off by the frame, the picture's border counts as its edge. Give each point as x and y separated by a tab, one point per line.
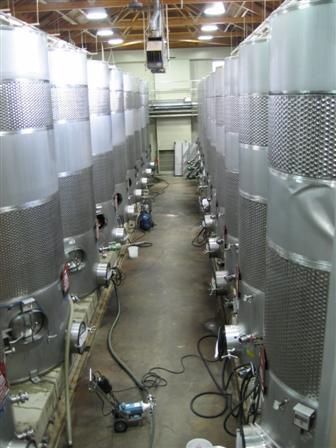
199	443
133	251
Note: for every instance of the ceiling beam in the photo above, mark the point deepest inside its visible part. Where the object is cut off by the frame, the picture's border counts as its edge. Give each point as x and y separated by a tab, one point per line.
173	22
173	36
30	7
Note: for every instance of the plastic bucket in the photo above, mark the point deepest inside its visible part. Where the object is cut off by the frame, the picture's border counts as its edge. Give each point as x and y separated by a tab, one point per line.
199	443
133	251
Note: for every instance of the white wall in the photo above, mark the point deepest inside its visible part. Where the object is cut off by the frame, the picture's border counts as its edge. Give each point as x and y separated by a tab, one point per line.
185	68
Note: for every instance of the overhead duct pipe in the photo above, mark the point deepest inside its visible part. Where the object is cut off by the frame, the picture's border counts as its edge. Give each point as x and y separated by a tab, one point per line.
155	27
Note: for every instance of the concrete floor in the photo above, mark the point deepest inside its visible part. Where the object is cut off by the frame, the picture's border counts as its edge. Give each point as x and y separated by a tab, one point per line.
165	302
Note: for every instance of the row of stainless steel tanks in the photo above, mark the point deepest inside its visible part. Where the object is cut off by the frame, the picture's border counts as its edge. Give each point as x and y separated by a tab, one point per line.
74	159
267	129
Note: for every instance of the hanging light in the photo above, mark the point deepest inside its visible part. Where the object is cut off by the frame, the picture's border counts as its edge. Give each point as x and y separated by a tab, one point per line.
115	41
205	37
208	28
216	9
96	14
105	32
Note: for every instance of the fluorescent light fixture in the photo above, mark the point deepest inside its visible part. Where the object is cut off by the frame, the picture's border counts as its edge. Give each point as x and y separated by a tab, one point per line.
208	28
216	9
96	14
115	41
205	37
104	33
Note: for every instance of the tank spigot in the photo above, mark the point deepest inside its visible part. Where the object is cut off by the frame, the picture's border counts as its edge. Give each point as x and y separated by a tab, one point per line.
21	397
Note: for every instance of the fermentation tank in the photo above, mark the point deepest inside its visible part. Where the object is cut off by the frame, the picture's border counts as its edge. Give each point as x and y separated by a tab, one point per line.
231	173
8	437
69	91
147	147
301	208
33	301
102	149
144	123
129	109
253	188
220	148
138	125
118	138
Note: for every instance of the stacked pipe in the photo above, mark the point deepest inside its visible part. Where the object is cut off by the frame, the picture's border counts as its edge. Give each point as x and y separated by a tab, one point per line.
68	74
102	150
34	304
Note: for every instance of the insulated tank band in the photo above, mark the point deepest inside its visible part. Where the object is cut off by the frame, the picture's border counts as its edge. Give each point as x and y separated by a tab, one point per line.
295	313
231	183
231	113
103	176
70	103
99	100
77	202
253	128
252	238
25	104
303	137
39	229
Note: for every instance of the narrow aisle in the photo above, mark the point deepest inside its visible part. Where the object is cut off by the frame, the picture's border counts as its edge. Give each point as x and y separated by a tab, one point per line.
164	301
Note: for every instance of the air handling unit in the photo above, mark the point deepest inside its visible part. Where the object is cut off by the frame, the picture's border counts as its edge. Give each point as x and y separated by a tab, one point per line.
156	43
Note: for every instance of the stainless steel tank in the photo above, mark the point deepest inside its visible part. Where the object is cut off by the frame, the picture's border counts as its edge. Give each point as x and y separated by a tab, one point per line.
33	301
147	145
220	149
118	138
138	125
301	208
143	112
231	173
68	75
8	437
253	190
129	110
102	149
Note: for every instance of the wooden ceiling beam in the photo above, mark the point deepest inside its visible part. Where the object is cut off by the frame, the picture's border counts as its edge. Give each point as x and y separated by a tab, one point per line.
173	22
30	7
173	36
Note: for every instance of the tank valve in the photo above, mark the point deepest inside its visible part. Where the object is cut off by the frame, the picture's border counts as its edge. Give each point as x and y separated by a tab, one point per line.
21	397
139	194
27	434
213	246
205	205
148	172
130	212
209	223
103	274
142	182
221	284
119	235
252	436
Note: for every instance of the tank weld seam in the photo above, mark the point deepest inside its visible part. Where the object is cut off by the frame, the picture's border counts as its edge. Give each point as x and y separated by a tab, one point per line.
321	265
29	204
309	180
253	197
